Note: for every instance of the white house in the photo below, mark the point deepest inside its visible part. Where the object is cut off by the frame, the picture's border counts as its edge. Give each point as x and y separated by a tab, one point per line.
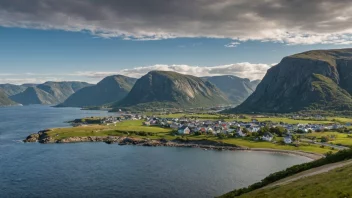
240	133
184	130
268	137
288	139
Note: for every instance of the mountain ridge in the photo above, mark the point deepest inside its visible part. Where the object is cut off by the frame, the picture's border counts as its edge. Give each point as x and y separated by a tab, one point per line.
110	89
305	81
167	88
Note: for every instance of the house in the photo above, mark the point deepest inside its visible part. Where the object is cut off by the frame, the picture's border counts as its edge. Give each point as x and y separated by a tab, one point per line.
240	133
267	137
184	130
175	126
288	139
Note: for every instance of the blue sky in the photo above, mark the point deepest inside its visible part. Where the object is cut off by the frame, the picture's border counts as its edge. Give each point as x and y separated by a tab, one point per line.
46	41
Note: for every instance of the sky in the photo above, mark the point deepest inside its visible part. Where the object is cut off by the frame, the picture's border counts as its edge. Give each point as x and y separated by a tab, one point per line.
85	40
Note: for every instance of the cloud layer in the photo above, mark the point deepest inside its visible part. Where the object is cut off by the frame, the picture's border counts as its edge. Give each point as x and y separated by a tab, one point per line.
244	70
291	22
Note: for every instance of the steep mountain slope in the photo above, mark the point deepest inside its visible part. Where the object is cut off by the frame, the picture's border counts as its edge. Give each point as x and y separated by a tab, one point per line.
4	100
171	89
320	79
235	88
48	93
62	90
11	90
110	89
33	95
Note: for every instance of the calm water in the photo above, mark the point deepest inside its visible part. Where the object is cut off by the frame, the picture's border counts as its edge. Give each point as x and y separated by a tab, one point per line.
102	170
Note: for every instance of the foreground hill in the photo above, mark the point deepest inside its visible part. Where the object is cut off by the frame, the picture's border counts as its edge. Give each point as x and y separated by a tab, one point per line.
110	89
235	88
171	89
48	93
11	90
335	183
311	80
4	100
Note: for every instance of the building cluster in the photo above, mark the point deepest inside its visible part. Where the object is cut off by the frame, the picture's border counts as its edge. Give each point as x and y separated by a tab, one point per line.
186	126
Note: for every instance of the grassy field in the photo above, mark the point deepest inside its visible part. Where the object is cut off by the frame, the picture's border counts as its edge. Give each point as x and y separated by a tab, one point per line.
166	133
261	119
336	183
105	130
339	138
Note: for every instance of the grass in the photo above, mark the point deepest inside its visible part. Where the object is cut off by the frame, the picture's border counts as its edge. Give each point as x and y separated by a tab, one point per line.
106	130
340	138
335	183
166	133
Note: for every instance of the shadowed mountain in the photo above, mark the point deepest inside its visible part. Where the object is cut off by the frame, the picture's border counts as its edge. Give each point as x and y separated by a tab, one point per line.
319	79
235	88
171	89
110	89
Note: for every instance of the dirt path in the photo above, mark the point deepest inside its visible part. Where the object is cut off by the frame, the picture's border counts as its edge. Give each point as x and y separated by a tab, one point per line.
310	172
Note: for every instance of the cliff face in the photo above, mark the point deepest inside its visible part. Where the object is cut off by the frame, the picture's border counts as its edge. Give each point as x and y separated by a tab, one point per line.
173	89
110	89
235	88
311	80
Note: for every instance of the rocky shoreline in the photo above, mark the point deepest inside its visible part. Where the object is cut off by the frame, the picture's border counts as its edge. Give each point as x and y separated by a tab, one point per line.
43	138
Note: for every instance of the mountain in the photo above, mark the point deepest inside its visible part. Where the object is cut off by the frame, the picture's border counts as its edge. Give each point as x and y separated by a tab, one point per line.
48	93
235	88
110	89
11	90
34	95
171	89
4	100
62	90
319	79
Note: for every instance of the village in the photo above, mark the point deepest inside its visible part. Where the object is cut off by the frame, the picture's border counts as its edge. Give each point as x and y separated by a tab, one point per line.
256	130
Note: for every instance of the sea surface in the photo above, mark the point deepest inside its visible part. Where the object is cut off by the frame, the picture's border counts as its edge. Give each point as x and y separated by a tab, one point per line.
104	170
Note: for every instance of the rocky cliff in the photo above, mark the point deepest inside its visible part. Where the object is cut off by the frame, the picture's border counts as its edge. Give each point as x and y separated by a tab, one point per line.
319	79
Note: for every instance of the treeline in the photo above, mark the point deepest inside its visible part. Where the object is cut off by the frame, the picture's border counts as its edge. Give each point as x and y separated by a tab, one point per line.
330	158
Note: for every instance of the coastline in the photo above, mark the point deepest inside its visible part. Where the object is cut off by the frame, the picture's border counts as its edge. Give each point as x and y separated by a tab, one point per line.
43	138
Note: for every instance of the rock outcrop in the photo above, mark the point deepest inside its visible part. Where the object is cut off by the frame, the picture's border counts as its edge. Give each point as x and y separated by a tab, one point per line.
320	79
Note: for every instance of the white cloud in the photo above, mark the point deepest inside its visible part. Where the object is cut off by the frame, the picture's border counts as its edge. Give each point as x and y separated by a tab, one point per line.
244	70
318	21
232	44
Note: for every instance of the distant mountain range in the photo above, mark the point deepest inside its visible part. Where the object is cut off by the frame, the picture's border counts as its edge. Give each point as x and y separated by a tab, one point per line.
171	89
235	88
157	88
319	79
109	90
47	93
